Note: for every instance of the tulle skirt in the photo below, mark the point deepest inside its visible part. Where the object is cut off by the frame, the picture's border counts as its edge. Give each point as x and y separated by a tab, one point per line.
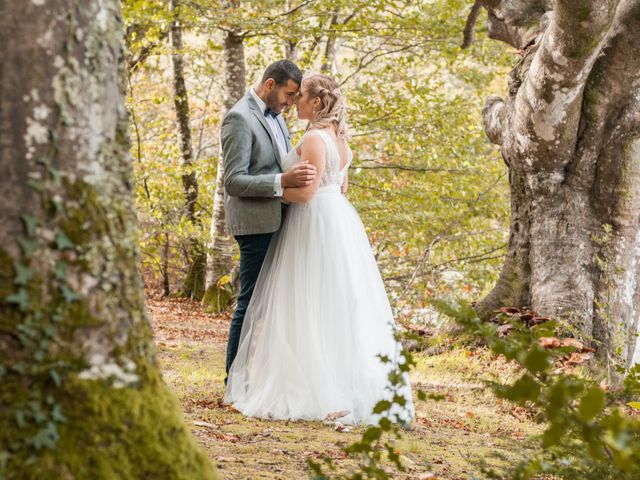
318	321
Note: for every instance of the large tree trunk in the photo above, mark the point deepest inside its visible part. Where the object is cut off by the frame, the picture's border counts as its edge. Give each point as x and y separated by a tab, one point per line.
569	131
221	249
82	395
193	286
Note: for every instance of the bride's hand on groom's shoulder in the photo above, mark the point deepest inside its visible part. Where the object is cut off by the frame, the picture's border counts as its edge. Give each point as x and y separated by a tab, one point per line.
299	175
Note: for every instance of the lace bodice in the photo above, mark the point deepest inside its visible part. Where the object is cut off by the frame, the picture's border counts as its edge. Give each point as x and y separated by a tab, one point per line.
333	174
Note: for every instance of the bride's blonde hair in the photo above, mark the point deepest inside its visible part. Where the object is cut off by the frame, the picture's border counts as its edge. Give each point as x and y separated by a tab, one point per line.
333	110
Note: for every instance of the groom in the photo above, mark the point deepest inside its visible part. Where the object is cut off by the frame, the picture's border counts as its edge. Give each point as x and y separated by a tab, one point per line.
254	140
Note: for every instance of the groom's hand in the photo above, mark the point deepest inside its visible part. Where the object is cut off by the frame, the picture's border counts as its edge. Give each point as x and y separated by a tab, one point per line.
300	175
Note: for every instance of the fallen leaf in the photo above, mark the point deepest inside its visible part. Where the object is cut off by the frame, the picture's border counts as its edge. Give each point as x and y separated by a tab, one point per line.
421	330
335	415
572	342
578	358
204	424
509	311
549	342
503	330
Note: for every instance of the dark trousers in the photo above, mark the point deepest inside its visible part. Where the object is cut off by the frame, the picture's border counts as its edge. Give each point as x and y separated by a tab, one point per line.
253	249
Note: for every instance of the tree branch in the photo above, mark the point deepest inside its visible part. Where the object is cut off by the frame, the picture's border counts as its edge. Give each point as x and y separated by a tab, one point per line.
547	106
467	33
517	22
145	52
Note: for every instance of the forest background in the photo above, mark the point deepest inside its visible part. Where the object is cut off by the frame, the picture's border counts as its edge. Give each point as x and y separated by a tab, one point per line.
431	190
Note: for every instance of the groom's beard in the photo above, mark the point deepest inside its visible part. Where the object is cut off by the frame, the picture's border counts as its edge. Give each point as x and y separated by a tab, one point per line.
272	101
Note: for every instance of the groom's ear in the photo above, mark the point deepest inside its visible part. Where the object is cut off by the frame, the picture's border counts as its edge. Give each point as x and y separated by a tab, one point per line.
269	84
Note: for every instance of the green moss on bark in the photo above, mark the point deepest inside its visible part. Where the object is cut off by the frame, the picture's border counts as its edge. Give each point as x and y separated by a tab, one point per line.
194	282
217	299
127	433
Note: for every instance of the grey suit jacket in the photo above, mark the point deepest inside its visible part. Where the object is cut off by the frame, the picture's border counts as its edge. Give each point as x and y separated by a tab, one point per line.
251	162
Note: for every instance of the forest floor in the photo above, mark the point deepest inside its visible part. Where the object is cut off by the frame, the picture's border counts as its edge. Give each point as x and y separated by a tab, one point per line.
448	441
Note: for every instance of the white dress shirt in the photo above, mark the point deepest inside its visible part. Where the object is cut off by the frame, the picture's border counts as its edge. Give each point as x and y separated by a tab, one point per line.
278	191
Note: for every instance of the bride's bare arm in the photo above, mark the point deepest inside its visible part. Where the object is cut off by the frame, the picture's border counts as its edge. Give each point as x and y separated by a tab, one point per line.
312	150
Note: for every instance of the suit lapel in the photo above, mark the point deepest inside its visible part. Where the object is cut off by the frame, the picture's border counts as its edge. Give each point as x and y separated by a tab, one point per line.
260	116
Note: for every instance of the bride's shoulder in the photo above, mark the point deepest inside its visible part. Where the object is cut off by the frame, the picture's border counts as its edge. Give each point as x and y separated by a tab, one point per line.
312	138
311	143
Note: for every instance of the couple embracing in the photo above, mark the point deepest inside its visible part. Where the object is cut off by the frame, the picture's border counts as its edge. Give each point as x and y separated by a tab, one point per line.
312	318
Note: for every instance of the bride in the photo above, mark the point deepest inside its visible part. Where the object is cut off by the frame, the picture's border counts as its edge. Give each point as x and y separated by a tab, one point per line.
319	319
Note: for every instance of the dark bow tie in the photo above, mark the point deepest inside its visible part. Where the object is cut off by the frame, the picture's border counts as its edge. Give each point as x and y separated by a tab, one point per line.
270	113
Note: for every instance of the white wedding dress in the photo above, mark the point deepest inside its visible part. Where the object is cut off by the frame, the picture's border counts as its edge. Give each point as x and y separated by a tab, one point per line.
319	317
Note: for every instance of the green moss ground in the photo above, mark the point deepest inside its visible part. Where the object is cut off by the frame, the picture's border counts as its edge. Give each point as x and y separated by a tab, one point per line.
448	440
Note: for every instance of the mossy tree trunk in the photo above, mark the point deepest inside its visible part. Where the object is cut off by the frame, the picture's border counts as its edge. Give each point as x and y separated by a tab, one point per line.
569	132
193	286
82	395
220	263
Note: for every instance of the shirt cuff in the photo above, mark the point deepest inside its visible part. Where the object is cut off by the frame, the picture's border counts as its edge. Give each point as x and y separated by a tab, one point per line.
278	191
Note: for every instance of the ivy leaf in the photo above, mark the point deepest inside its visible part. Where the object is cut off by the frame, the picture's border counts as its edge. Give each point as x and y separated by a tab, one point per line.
371	434
21	418
46	437
30	223
384	358
28	246
21	299
60	271
19	367
56	414
43	160
56	377
537	360
591	403
62	241
36	185
23	274
553	434
69	295
382	406
49	331
526	388
56	174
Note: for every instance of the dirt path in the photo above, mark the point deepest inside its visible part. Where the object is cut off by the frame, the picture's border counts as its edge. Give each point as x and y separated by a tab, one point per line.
446	442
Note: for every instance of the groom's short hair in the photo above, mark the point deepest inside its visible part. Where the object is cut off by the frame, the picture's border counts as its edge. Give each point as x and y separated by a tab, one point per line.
282	71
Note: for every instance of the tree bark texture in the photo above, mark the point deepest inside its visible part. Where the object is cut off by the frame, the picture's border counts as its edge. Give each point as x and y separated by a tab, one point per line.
193	286
220	261
81	394
330	47
569	132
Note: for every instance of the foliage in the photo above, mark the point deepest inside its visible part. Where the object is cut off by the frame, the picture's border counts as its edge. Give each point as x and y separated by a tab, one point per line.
588	435
378	441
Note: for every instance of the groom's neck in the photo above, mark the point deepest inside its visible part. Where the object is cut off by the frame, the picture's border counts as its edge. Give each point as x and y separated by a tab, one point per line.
261	91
